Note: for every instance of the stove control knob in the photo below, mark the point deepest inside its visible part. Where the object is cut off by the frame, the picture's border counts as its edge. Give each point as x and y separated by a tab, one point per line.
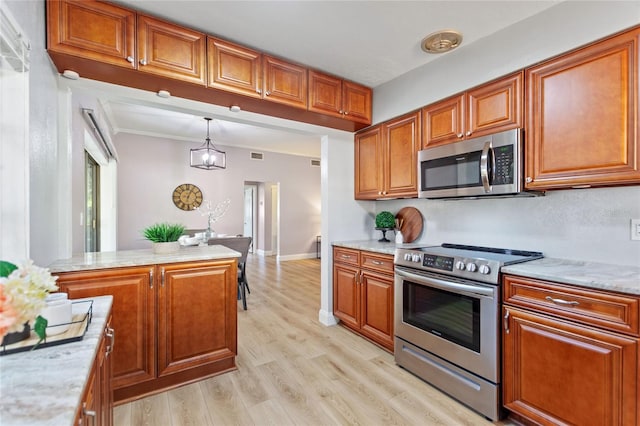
484	269
460	265
471	267
416	258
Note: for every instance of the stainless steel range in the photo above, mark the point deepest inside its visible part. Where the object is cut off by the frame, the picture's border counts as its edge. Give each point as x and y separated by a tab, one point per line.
447	307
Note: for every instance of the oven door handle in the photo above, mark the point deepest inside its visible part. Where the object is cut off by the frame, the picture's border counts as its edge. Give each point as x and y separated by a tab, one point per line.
447	285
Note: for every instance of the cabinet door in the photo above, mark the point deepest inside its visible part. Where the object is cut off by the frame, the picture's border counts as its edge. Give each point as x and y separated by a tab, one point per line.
356	102
377	308
582	117
401	144
346	297
197	314
234	68
92	30
171	51
106	373
443	122
325	94
369	162
90	405
495	107
284	82
559	373
133	313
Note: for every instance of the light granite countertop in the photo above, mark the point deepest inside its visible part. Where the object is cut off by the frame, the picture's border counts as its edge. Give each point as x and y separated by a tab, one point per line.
600	276
376	246
124	258
45	386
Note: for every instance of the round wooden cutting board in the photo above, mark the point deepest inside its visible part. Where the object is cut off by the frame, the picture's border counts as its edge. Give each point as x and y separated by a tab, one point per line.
412	222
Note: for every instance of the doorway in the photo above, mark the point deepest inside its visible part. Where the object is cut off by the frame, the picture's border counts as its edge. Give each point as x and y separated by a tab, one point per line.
250	210
92	204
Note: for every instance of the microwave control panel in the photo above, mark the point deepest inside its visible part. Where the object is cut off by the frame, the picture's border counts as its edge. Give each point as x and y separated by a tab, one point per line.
503	168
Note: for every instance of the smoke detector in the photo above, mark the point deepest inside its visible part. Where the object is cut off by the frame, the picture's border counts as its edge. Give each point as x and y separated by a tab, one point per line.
441	41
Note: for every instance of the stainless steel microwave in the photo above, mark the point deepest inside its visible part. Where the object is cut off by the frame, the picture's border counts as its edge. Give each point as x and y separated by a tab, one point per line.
490	165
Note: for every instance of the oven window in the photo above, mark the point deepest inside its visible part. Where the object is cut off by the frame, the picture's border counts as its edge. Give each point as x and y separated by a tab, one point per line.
448	315
457	171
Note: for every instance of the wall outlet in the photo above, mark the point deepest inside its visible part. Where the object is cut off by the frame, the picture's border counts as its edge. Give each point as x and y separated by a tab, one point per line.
635	229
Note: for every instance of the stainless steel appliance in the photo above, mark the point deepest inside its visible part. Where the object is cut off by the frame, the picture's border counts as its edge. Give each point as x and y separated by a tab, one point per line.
447	307
490	165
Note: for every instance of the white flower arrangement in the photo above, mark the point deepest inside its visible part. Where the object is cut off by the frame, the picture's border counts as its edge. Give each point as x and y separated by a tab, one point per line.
213	214
23	290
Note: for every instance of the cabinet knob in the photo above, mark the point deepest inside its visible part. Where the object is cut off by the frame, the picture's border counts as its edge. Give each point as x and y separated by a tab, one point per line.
267	93
130	59
258	91
379	192
529	179
469	133
341	112
143	62
346	113
460	135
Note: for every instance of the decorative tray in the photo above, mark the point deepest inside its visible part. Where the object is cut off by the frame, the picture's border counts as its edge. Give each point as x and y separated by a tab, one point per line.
82	312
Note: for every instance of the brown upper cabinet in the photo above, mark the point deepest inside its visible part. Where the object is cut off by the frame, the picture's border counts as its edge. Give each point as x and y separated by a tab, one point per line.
490	108
284	82
105	42
334	96
93	30
386	158
234	68
171	51
582	116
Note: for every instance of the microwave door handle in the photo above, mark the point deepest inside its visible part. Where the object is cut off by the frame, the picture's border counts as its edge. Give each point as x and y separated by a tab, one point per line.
484	166
453	287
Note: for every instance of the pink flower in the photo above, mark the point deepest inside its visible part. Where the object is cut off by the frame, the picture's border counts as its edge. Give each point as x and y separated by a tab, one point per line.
8	314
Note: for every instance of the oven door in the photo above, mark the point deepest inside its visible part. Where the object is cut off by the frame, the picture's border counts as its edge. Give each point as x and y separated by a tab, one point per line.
456	320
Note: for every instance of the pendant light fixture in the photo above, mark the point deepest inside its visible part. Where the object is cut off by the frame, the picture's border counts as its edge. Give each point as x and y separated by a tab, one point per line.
207	157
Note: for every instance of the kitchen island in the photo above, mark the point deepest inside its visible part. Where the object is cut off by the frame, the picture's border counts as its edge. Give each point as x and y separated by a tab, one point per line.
174	315
45	386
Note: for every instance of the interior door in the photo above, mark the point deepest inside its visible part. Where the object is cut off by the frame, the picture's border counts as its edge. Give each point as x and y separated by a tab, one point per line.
249	216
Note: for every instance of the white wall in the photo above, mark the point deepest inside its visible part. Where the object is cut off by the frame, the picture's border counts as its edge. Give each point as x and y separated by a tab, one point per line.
44	234
589	224
150	168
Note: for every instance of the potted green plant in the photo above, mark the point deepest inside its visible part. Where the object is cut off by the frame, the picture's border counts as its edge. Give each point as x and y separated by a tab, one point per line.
385	221
164	237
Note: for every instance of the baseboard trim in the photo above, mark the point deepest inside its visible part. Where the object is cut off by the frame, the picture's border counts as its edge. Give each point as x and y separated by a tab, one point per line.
296	257
327	318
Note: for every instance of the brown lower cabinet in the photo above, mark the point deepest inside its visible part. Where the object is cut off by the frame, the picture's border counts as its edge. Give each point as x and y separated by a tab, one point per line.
97	401
363	293
175	323
565	360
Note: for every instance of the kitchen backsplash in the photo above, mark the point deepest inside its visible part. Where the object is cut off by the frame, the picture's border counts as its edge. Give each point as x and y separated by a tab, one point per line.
585	224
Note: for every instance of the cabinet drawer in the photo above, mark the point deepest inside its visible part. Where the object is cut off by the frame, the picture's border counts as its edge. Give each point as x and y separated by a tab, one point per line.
610	311
378	262
344	255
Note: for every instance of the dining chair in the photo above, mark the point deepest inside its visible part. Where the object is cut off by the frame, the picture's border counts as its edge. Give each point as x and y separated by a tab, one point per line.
241	245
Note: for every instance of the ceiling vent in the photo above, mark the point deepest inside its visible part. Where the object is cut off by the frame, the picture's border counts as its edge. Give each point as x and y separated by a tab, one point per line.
441	41
315	163
257	156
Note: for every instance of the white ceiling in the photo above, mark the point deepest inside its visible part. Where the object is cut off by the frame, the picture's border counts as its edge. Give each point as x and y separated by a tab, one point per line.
369	42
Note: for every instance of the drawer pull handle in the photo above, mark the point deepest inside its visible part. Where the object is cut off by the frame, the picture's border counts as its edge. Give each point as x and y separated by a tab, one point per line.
562	302
506	321
377	262
111	334
344	256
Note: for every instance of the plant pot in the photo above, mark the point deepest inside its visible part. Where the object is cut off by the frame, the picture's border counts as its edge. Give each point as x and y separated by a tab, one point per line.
165	248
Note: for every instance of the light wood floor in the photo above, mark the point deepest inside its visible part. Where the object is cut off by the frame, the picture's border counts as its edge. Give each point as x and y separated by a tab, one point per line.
292	370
